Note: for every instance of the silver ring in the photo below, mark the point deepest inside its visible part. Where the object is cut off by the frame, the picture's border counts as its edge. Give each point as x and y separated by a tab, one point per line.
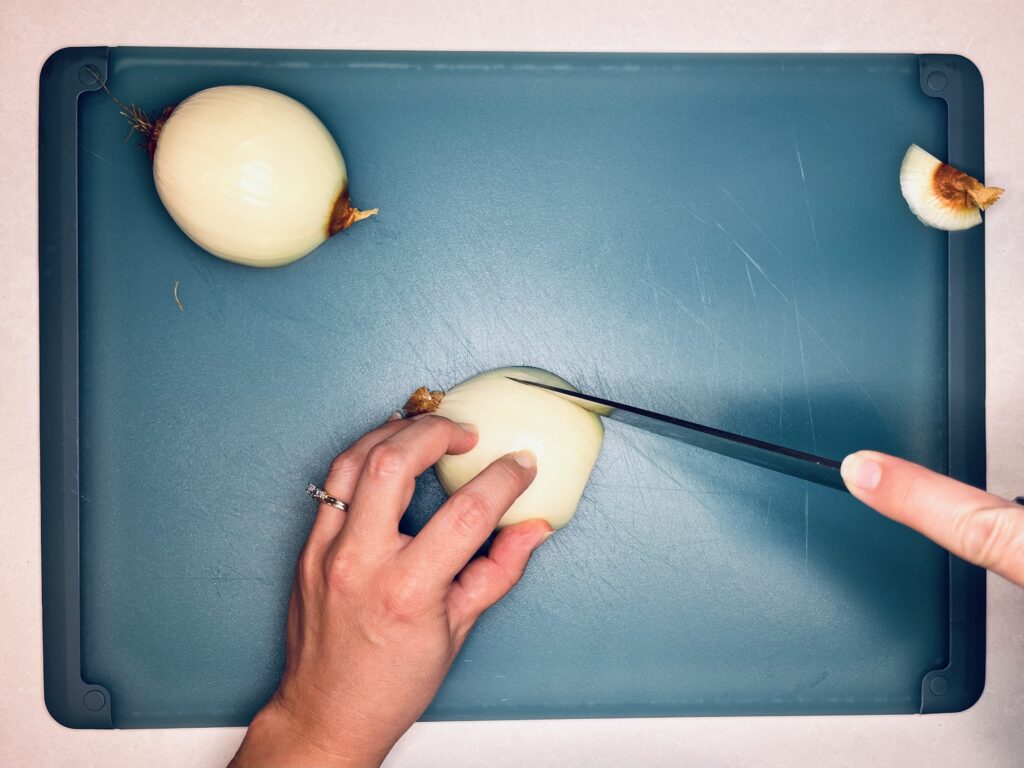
325	498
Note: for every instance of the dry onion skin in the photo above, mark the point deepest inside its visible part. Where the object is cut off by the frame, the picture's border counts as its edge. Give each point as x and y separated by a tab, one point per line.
940	195
249	174
565	438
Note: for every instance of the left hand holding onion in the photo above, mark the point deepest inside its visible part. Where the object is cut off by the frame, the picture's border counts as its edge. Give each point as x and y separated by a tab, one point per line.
565	437
376	617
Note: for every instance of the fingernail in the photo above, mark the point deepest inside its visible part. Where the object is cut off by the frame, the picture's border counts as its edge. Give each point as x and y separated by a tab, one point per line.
525	459
396	416
418	416
542	536
861	471
471	428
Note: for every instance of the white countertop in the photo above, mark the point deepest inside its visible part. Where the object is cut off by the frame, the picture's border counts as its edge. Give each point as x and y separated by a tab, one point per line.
991	734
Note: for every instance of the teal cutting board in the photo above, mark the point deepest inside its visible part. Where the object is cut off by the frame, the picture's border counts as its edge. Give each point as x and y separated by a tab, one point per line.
721	238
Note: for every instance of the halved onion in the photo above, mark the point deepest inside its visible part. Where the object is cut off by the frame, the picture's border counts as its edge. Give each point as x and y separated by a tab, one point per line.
509	416
940	195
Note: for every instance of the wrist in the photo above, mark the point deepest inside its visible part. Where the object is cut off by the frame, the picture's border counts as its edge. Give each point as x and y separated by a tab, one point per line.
277	739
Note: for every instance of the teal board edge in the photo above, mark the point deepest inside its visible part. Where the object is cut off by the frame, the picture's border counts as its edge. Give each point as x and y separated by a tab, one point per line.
79	704
70	700
957	80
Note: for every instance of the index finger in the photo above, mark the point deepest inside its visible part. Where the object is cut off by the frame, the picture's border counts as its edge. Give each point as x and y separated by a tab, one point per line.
388	477
977	526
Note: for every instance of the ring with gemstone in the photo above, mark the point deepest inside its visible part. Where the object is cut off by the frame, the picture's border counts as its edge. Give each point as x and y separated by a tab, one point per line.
325	498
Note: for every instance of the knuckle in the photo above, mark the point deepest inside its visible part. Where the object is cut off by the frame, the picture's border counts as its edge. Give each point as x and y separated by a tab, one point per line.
984	535
401	600
470	514
345	464
386	460
341	574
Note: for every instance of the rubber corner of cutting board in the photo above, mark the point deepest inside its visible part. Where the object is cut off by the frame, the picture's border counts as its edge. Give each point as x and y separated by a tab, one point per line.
947	75
957	686
84	62
79	707
943	693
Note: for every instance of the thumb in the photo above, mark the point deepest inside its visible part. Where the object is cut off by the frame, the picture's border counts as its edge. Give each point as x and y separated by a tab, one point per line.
977	526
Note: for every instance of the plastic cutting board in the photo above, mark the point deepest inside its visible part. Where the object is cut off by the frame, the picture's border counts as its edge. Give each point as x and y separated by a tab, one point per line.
716	237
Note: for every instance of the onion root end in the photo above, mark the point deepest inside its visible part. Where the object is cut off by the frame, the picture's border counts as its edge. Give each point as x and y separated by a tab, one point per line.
422	401
343	215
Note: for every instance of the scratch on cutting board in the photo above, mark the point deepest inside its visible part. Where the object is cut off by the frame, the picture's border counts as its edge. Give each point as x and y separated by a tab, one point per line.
617	588
814	229
177	299
652	282
750	282
753	223
102	159
842	364
781	411
801	318
655	295
700	283
643	548
807	529
631	467
759	268
692	316
693	214
803	369
462	340
807	199
669	476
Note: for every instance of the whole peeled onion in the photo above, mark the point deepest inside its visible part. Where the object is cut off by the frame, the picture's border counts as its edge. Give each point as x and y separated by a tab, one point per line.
250	175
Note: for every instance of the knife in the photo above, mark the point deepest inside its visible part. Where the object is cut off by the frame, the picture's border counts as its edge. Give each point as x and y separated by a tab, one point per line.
788	461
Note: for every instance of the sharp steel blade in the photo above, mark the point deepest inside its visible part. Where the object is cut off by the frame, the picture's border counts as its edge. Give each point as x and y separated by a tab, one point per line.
788	461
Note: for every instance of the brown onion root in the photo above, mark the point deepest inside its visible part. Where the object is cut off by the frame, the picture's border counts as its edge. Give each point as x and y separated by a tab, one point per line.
423	400
344	215
141	123
984	196
954	185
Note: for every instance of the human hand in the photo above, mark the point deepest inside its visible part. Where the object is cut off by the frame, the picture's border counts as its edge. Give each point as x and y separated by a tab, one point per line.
977	526
377	617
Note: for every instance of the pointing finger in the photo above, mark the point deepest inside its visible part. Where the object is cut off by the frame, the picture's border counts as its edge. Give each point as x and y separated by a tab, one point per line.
977	526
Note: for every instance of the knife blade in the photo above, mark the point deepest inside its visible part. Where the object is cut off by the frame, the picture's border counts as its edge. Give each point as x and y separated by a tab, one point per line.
788	461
